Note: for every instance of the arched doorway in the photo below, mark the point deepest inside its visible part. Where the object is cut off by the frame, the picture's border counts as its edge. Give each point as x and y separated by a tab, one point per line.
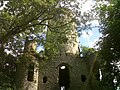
64	76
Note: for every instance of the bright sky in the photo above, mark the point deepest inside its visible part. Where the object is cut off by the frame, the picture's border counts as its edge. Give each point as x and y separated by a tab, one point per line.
91	37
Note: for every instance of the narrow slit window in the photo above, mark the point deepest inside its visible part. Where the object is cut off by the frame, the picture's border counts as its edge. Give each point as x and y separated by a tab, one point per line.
30	72
83	78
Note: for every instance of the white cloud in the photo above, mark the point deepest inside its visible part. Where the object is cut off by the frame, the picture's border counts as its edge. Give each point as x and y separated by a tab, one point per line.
90	39
86	36
92	43
95	23
86	5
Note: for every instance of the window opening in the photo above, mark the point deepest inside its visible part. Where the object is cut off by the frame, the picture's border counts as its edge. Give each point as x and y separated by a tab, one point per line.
64	77
62	67
60	54
30	72
100	73
62	88
44	79
83	78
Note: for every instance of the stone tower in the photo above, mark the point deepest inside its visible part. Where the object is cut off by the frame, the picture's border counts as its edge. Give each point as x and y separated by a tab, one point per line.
27	68
67	70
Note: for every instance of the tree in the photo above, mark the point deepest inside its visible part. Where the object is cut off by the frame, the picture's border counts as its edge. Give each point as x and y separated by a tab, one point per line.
86	51
30	18
109	44
33	19
7	72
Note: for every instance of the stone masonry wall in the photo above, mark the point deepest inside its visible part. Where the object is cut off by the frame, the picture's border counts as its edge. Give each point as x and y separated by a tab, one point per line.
49	69
22	82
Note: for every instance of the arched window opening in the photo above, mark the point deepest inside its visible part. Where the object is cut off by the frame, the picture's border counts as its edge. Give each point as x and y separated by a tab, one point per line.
30	72
83	78
64	77
62	67
44	79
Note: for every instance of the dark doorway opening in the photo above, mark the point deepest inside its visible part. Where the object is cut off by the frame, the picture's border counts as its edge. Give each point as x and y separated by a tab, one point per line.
64	77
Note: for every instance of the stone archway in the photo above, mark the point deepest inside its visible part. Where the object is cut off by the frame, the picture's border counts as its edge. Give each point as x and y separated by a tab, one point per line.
64	76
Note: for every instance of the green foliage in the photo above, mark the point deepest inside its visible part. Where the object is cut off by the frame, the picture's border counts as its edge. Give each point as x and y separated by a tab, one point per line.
55	40
7	72
33	19
22	18
86	51
109	44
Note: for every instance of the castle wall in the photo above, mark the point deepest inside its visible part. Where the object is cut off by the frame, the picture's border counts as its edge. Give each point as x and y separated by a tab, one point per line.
46	72
49	69
22	82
